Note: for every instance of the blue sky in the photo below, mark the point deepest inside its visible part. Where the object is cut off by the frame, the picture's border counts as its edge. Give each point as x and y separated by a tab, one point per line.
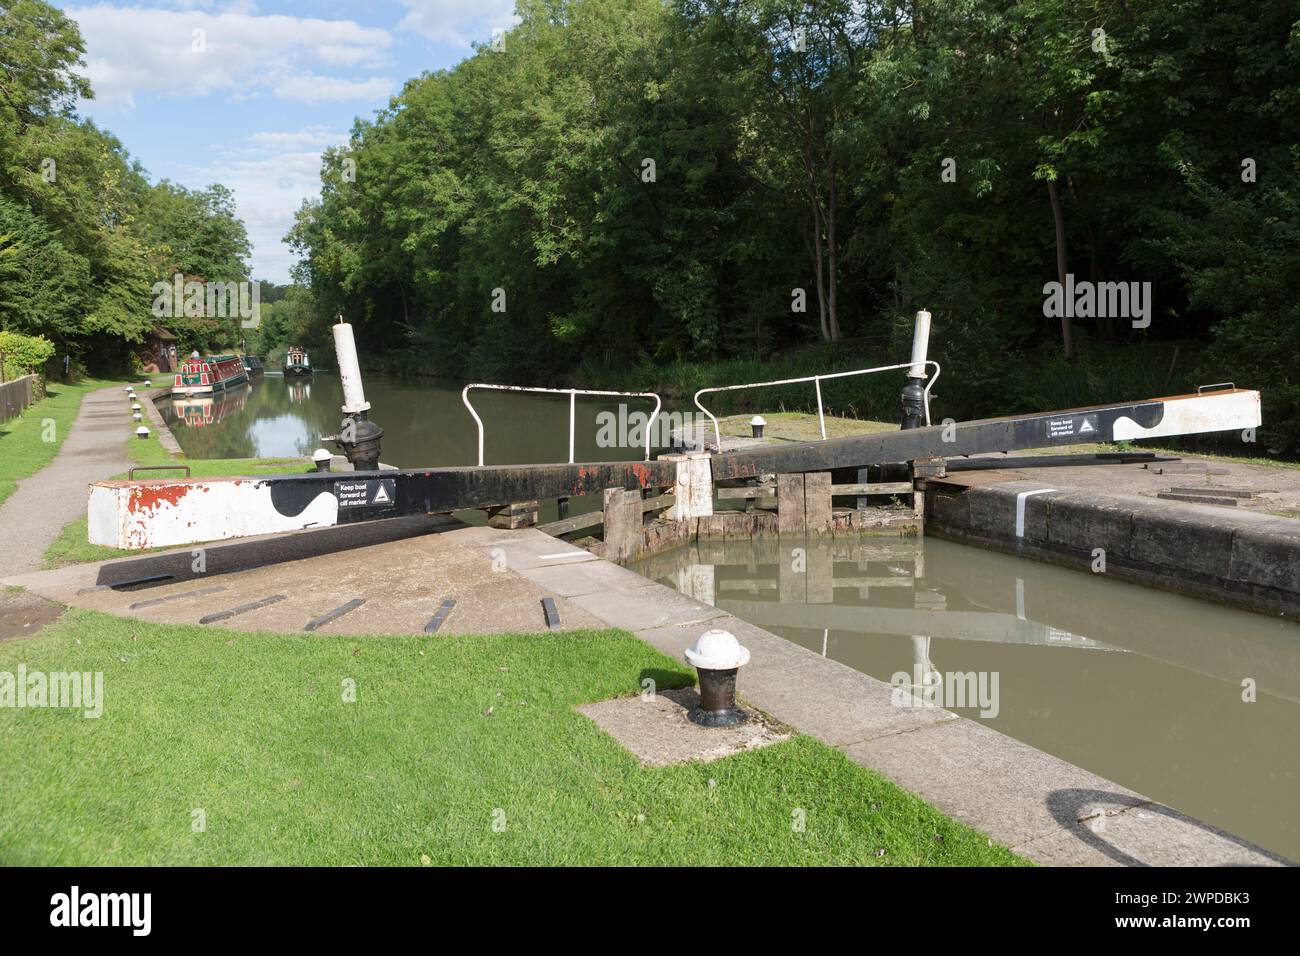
253	99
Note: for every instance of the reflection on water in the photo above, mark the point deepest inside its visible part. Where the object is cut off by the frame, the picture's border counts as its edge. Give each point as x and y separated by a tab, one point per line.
424	425
1142	687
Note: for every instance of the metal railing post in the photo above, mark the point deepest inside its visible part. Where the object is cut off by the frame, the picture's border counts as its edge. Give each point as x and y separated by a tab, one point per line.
821	417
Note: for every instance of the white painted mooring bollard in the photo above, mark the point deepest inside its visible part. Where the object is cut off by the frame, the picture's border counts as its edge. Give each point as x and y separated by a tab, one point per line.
322	459
757	424
142	432
136	416
914	391
360	438
135	407
716	656
345	348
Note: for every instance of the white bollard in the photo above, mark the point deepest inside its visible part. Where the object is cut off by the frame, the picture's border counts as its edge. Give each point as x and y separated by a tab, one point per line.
915	410
920	345
345	348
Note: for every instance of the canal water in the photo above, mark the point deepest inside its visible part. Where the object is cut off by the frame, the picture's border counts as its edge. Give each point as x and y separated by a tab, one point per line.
1142	687
424	425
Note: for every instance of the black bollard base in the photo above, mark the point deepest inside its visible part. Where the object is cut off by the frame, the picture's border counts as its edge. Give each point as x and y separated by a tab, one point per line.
717	700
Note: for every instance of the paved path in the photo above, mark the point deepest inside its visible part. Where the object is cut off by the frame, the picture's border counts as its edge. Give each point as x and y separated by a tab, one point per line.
34	515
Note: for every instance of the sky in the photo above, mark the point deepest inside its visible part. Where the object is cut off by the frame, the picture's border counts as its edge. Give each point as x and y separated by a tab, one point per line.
248	94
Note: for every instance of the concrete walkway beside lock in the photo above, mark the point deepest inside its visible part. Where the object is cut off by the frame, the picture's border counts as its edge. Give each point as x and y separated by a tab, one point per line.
1042	807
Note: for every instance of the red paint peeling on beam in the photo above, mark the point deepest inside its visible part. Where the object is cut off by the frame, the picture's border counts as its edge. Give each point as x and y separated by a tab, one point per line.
149	497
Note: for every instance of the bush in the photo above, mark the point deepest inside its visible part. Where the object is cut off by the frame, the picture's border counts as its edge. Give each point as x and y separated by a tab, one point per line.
24	354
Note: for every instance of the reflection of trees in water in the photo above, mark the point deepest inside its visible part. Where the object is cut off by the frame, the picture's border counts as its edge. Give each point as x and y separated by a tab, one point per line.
314	403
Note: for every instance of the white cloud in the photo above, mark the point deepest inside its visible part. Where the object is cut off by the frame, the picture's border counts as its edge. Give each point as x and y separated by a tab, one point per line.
136	50
302	138
270	173
458	22
310	88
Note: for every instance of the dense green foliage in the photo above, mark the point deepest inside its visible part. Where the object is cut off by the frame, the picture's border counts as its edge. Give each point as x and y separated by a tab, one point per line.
954	155
83	233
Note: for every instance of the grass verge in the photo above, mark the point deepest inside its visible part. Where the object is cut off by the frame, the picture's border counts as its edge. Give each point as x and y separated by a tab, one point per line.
29	442
252	730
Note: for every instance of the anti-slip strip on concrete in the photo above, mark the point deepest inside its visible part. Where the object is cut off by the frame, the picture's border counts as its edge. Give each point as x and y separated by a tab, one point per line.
153	602
318	622
241	609
439	616
550	613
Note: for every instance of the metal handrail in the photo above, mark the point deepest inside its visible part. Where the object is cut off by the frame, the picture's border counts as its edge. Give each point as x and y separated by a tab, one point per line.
817	379
130	475
573	393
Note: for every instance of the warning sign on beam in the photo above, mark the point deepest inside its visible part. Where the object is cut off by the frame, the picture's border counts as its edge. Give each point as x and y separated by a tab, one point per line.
376	492
1073	426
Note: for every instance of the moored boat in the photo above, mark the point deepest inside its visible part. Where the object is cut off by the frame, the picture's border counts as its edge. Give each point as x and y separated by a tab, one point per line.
296	362
206	376
253	365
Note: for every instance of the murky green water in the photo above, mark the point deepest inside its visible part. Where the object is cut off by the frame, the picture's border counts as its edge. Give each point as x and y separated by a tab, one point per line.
424	425
1142	687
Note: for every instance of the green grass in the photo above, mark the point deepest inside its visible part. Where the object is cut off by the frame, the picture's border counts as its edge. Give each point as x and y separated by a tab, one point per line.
24	449
72	546
253	730
149	451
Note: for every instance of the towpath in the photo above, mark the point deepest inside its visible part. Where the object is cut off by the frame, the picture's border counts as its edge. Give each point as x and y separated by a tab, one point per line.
43	504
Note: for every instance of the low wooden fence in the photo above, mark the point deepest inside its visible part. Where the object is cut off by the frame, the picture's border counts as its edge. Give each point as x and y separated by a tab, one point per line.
17	395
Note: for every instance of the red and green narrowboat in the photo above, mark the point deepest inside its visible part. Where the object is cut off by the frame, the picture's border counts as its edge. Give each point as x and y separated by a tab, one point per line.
216	373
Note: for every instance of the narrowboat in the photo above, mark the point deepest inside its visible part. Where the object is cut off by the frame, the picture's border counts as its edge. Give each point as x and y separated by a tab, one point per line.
210	375
296	362
253	365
